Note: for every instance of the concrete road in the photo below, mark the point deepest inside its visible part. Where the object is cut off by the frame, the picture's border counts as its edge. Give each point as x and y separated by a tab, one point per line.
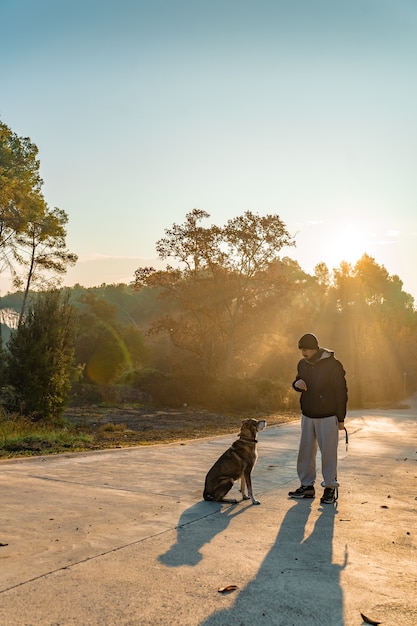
123	537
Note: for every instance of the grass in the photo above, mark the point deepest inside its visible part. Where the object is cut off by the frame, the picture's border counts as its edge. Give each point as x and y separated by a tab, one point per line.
21	437
101	427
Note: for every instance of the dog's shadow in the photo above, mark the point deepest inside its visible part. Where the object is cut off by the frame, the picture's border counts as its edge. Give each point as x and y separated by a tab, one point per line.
192	535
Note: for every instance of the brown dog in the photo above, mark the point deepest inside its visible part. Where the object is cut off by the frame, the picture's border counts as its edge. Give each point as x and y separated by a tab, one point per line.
237	462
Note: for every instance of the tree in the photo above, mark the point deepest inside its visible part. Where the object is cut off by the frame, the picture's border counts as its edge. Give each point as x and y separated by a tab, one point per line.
104	346
32	237
40	357
20	187
42	250
222	281
378	321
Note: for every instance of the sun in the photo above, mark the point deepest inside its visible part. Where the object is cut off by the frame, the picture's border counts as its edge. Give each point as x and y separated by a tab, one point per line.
334	240
345	241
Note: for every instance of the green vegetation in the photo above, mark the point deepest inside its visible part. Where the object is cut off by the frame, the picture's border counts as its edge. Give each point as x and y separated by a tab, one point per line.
39	360
21	437
32	236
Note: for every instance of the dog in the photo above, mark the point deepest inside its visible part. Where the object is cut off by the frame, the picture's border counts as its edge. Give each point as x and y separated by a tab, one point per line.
237	462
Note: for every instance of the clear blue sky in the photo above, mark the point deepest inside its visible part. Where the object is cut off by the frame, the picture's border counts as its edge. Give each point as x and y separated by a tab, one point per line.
144	110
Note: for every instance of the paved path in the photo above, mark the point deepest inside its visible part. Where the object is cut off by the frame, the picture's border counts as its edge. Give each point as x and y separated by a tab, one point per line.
123	537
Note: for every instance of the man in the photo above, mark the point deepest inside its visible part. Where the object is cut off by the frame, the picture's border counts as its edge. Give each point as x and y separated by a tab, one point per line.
321	382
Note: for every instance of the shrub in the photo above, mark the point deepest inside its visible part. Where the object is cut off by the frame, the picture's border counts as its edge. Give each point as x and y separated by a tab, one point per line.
39	361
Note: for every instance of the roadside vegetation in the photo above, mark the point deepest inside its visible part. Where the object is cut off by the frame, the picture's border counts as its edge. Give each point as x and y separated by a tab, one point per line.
181	352
99	428
21	437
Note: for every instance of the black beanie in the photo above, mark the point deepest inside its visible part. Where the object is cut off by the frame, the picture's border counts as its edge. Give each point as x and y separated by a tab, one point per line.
308	342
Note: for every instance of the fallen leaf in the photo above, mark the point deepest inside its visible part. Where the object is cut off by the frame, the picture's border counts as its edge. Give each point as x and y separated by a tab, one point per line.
368	620
227	588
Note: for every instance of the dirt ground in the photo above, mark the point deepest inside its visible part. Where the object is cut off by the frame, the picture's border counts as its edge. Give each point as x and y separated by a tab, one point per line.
127	426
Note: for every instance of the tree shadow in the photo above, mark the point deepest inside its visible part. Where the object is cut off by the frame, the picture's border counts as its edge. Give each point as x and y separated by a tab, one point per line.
297	582
192	537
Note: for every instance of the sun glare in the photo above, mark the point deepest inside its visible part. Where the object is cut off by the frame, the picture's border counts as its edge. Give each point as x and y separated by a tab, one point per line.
346	241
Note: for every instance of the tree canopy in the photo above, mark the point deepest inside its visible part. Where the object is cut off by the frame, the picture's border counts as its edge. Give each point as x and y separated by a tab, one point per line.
223	280
32	236
230	304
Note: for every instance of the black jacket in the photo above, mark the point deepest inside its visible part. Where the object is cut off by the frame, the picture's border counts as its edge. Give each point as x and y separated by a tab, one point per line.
326	393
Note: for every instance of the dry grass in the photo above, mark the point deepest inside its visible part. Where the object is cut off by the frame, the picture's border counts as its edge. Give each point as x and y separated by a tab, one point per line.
129	426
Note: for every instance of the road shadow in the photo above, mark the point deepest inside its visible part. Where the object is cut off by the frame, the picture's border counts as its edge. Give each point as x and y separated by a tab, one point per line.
191	536
297	583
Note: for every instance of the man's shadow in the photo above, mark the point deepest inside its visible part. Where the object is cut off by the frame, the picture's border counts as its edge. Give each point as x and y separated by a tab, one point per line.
191	536
297	582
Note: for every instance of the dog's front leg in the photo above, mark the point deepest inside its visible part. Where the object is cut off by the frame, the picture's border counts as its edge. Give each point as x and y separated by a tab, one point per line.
250	495
243	489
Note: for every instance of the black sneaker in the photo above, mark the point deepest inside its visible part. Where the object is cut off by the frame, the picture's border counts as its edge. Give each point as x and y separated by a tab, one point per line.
329	496
303	492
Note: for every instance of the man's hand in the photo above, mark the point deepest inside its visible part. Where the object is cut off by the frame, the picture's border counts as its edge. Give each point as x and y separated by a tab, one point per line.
341	425
300	384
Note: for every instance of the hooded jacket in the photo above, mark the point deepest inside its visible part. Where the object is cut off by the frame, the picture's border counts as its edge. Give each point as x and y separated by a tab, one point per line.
326	393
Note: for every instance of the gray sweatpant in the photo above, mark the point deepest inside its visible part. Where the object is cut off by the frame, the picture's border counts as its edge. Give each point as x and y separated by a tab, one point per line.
324	433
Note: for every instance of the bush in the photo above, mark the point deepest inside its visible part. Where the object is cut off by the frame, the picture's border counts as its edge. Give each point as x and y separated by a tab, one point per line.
83	394
40	358
230	394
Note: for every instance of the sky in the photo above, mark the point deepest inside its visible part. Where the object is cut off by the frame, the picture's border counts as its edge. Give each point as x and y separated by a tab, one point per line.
143	110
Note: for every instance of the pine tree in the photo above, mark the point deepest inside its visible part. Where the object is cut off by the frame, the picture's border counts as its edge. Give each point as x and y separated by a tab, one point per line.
40	358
